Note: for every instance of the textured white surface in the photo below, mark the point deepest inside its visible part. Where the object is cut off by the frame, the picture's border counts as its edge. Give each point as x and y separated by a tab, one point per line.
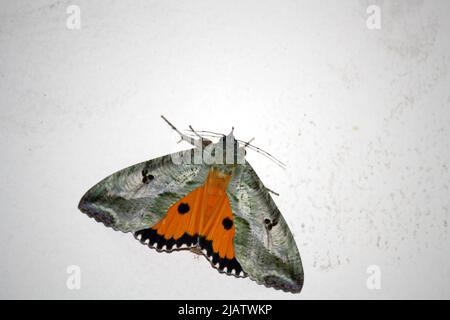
361	117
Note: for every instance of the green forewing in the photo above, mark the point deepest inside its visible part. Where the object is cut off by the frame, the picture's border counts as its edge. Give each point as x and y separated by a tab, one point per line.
264	245
128	201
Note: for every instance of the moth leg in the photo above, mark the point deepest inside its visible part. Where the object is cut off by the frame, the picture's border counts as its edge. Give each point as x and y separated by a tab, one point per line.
194	142
195	132
205	142
197	251
248	142
271	191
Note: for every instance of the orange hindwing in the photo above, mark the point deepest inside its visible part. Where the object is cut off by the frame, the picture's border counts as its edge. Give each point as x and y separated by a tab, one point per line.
202	219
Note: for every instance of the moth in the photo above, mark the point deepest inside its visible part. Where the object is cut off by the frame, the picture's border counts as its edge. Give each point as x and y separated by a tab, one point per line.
207	199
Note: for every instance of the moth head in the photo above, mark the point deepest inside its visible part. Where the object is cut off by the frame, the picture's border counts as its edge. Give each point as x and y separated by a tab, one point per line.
229	150
229	140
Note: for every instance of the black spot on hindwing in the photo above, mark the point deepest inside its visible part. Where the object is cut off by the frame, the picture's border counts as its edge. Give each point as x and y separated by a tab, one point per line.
183	208
227	223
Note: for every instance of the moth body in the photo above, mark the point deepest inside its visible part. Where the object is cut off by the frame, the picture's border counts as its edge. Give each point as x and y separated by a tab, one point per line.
209	200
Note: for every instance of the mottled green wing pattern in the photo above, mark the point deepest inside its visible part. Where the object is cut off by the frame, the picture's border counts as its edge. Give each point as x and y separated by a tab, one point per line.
139	196
264	245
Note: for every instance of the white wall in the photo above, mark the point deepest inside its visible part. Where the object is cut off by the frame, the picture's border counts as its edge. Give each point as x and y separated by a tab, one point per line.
360	116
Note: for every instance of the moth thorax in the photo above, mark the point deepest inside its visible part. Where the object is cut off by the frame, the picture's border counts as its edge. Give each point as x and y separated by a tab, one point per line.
227	151
218	179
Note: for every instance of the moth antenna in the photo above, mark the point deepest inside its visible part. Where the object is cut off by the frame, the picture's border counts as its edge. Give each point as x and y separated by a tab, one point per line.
202	135
216	134
246	144
182	135
191	135
264	153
